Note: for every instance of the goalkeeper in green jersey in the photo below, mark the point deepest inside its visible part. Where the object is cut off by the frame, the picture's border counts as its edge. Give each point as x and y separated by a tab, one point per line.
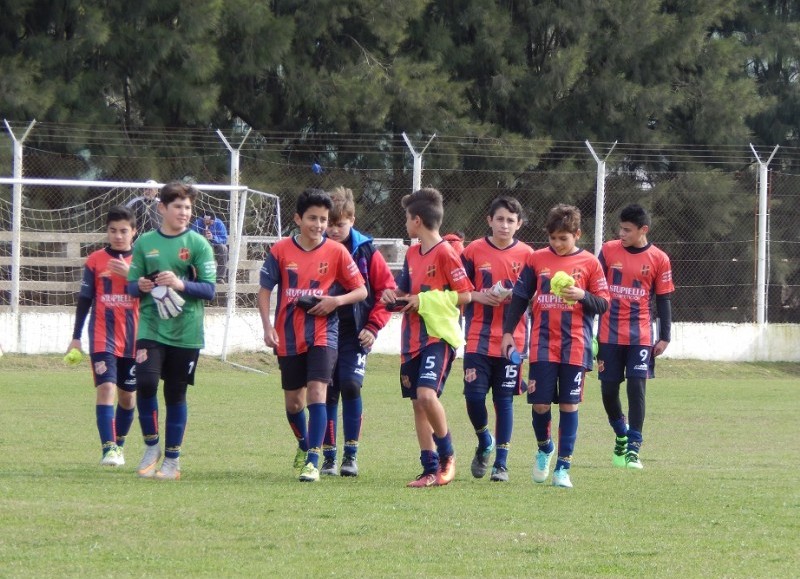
173	272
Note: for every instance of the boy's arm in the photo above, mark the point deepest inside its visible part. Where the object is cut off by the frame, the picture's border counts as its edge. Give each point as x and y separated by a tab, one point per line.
380	279
270	335
85	300
221	234
664	310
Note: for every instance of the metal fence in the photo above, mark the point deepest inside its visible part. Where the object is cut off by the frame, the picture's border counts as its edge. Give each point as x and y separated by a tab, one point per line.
706	220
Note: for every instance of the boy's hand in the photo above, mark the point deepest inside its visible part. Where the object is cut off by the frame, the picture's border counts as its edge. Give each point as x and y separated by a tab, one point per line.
146	285
388	296
366	339
271	337
487	299
117	266
169	279
326	305
74	345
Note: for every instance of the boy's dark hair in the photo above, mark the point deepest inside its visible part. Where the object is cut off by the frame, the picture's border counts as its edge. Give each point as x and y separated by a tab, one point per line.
344	207
563	218
511	204
635	214
426	204
121	213
177	190
313	198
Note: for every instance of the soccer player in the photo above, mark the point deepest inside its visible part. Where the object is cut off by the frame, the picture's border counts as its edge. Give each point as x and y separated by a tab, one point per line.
636	271
112	332
311	272
492	263
426	359
561	335
359	325
173	271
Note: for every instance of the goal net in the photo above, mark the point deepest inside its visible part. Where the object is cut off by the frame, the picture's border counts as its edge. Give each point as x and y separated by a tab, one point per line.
48	227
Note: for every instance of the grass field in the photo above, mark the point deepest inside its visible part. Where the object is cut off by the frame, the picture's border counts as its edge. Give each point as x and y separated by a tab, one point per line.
719	496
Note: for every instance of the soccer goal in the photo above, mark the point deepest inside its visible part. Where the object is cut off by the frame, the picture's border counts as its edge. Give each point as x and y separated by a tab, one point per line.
49	226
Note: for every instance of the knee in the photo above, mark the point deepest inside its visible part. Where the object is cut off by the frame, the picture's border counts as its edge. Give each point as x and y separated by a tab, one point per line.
126	399
146	385
175	394
351	390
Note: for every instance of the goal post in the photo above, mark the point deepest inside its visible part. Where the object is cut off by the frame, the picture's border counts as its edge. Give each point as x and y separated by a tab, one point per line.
49	226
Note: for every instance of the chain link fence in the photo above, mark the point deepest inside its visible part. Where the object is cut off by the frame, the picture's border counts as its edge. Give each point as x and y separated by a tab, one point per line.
705	220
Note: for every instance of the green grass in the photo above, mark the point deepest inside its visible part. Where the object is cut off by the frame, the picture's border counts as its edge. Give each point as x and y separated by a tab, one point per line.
719	496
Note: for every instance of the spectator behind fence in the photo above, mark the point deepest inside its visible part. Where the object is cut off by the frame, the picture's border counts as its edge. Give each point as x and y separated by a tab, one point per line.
145	208
217	234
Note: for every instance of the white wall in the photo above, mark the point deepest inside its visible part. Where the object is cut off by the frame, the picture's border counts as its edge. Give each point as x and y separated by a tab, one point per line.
46	331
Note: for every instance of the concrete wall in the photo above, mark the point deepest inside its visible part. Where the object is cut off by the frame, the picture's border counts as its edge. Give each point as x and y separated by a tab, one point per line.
48	331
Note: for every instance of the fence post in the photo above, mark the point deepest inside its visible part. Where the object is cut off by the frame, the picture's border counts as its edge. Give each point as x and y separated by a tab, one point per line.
16	230
237	199
763	233
416	183
600	197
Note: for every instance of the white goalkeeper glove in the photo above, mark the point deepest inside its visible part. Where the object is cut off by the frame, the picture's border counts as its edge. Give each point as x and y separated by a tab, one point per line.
168	302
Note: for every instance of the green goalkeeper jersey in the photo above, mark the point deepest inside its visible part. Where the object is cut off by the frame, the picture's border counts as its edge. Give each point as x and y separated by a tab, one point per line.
190	257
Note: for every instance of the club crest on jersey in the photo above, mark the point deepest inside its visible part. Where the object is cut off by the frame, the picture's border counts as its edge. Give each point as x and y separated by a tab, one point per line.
141	356
100	367
183	254
516	267
645	270
323	267
431	271
470	375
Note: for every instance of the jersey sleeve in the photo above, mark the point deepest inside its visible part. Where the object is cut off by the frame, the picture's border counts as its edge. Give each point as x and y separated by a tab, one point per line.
526	282
663	278
270	274
87	281
204	262
456	276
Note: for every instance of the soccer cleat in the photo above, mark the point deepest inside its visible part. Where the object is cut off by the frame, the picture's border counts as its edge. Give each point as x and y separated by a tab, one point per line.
147	467
299	459
170	470
620	447
349	466
447	470
561	478
329	467
310	473
480	462
424	480
112	457
499	474
541	468
632	460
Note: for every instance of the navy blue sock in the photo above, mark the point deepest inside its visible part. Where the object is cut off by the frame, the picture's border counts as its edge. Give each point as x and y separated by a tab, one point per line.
299	426
620	426
148	419
329	442
444	445
504	425
430	461
123	421
479	417
174	429
351	421
105	425
541	429
317	416
567	433
634	440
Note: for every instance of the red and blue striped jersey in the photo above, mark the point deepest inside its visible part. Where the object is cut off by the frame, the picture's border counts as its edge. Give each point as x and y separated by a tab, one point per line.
321	271
486	265
635	276
438	269
561	332
115	314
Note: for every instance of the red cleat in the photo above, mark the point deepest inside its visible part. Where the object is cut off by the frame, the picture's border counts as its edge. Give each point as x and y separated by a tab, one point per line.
447	470
424	480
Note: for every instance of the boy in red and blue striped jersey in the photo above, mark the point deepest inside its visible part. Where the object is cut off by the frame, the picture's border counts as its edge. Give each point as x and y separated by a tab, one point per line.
493	264
561	335
636	271
305	266
112	332
430	266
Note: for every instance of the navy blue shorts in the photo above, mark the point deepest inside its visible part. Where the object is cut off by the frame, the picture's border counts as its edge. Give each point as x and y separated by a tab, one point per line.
428	369
615	363
483	373
315	365
556	383
351	362
115	369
